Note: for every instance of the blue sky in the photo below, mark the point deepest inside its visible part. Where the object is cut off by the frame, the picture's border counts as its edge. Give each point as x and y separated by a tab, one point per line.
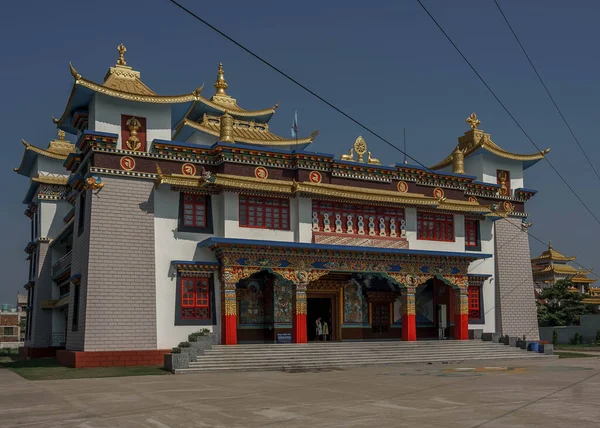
388	66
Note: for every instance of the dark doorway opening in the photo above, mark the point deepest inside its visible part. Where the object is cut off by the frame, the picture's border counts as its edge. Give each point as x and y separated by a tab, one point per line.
318	307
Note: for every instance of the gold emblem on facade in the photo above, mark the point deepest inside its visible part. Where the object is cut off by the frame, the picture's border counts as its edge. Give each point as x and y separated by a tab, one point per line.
133	142
315	177
261	172
127	163
360	148
402	186
438	193
508	206
188	169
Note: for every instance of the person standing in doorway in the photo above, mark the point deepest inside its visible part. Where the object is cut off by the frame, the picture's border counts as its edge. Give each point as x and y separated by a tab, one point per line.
325	331
319	329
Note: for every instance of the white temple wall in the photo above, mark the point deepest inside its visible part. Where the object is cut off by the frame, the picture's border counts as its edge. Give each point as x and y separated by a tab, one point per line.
202	138
474	166
491	164
173	245
51	217
304	227
108	111
48	166
486	266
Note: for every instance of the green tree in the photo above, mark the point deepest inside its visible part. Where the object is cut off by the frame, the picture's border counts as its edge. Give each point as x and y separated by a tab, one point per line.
557	306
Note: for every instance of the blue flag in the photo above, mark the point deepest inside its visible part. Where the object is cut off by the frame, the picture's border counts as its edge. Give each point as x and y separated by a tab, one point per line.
295	125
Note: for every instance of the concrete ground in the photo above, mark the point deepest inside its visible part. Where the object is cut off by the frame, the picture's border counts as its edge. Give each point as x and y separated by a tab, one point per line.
544	393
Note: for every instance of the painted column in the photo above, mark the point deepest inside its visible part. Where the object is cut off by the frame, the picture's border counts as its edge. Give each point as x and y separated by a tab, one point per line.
228	314
409	322
461	313
299	334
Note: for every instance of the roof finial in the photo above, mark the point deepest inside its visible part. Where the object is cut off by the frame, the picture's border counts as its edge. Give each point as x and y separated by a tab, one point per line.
549	245
61	134
220	83
473	121
122	49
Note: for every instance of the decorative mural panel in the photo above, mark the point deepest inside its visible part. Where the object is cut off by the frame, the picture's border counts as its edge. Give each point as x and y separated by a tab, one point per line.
283	301
356	307
252	302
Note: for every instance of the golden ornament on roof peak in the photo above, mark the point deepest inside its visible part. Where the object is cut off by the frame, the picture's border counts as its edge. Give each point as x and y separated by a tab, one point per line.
61	134
122	49
473	121
220	83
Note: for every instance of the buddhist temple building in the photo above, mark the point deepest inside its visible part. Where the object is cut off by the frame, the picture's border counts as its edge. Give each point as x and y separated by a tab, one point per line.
161	215
551	267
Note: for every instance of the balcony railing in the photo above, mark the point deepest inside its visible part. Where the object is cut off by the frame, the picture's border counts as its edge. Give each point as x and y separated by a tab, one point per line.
63	264
58	339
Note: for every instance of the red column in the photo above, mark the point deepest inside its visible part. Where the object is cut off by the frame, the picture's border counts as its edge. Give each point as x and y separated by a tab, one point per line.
299	334
229	315
461	314
409	322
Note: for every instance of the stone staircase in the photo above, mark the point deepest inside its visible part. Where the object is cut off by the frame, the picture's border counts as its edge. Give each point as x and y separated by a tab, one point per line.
337	355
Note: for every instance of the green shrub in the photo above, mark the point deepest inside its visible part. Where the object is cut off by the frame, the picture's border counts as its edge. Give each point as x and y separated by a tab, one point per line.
184	345
576	339
555	338
598	337
176	351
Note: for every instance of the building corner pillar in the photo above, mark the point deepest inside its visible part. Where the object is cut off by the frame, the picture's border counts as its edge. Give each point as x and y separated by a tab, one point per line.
299	328
461	314
409	322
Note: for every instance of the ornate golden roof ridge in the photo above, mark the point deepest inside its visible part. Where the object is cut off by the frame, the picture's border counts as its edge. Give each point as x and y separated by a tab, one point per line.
273	140
552	255
561	269
50	179
476	139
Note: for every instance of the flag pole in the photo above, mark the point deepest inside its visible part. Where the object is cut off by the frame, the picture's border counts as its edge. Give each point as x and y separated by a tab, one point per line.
405	161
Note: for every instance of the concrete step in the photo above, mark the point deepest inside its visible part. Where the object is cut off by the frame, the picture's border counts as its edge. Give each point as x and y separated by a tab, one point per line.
257	366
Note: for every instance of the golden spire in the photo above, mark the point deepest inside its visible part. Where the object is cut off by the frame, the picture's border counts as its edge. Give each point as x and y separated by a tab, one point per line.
220	83
549	245
122	49
61	134
473	121
458	161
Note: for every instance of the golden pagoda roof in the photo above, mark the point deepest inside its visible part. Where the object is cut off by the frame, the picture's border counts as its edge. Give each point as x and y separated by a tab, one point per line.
558	269
476	139
57	149
582	278
243	131
552	255
121	81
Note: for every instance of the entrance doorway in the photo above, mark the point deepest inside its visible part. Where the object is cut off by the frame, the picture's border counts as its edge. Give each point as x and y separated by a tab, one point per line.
380	321
318	307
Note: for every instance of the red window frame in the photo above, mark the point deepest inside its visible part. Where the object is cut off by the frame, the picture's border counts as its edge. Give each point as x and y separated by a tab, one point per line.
474	302
264	213
435	226
195	298
366	211
194	210
471	233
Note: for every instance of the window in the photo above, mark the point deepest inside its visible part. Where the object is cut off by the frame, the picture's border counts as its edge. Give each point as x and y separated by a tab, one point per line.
474	302
320	208
194	210
472	241
82	208
75	320
435	227
264	213
503	179
195	299
9	331
195	213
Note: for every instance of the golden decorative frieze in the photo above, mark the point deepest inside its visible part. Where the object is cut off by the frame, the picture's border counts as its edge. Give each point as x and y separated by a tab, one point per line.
253	183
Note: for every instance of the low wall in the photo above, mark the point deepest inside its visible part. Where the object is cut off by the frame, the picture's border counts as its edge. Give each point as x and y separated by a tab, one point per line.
12	345
79	359
588	328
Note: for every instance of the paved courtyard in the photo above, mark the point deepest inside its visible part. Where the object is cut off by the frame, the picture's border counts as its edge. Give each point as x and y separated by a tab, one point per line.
549	393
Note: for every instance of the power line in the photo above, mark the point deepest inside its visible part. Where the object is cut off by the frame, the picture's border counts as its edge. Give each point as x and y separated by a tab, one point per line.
333	106
507	110
287	76
547	90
